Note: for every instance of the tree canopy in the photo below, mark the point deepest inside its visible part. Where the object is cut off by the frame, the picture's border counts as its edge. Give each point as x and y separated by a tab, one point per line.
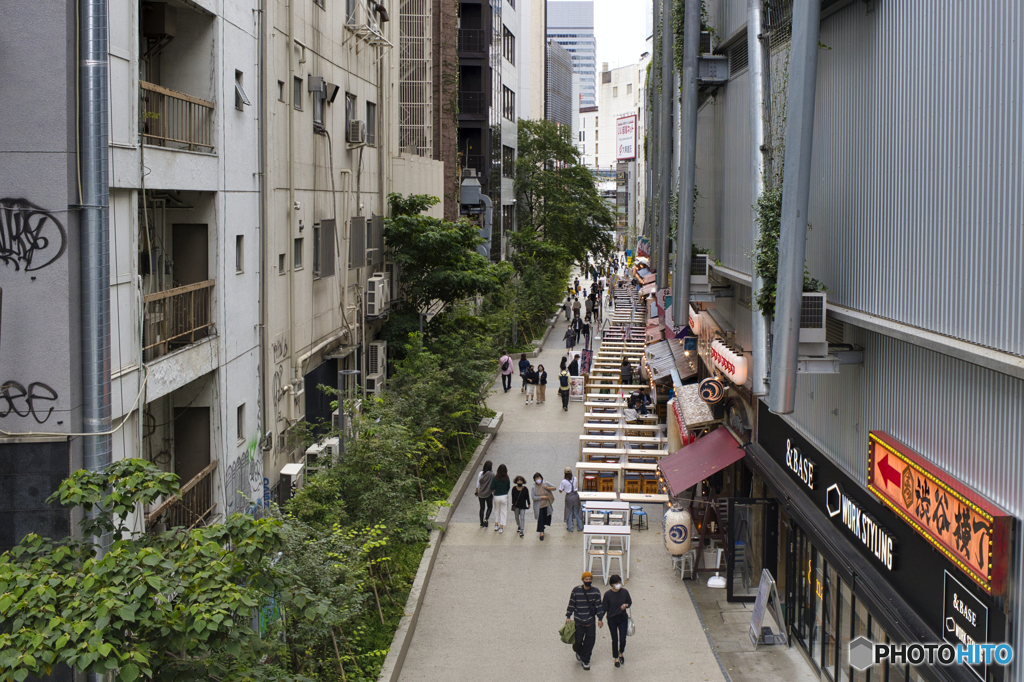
437	258
560	208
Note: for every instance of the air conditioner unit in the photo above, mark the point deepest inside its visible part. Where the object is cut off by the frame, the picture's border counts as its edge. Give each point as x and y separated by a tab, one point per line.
699	269
813	329
375	383
356	132
377	298
378	360
291	481
331	447
314	451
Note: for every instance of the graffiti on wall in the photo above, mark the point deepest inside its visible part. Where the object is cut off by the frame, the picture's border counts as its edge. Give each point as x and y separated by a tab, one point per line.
243	483
36	400
30	237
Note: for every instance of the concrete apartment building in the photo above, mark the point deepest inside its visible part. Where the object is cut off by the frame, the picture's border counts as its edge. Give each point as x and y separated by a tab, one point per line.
533	69
248	160
571	25
558	94
905	400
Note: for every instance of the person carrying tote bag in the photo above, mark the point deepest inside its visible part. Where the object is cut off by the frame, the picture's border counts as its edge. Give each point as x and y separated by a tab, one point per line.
543	498
616	603
573	507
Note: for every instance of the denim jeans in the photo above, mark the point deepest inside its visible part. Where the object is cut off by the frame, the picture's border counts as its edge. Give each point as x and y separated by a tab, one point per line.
520	518
617	627
573	511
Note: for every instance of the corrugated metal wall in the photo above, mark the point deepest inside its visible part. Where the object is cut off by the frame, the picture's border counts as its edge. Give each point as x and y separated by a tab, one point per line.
709	169
736	240
919	166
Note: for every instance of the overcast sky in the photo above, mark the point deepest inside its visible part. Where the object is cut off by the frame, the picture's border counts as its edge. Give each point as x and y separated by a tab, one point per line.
620	26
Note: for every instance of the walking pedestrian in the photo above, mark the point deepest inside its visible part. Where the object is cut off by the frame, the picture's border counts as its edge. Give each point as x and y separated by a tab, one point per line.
625	371
520	502
574	366
499	486
566	307
573	507
585	606
531	385
542	383
570	338
576	325
590	306
576	283
524	366
506	370
563	386
543	498
484	494
615	603
585	330
576	305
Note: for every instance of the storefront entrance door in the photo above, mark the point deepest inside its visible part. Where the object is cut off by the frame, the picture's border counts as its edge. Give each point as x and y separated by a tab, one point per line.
753	536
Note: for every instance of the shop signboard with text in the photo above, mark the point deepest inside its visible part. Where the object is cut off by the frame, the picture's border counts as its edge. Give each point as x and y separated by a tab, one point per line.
969	530
625	138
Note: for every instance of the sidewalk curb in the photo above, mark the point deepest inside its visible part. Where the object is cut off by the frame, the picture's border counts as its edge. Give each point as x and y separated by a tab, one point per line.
392	668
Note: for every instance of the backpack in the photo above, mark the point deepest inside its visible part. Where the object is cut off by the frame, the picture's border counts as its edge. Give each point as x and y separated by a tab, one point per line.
504	365
563	380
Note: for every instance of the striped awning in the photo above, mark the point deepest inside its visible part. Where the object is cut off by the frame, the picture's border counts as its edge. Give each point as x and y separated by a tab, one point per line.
659	360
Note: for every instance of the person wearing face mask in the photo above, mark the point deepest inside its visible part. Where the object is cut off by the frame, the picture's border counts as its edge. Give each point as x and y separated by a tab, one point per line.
573	508
543	497
615	602
585	606
520	502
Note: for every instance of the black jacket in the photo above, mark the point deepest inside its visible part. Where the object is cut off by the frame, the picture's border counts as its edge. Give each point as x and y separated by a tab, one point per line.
585	606
544	378
613	601
574	368
520	498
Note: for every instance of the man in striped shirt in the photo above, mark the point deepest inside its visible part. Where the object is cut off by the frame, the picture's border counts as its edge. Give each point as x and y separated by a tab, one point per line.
585	606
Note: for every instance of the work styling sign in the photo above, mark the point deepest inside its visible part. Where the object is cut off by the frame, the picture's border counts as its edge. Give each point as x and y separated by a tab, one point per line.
972	532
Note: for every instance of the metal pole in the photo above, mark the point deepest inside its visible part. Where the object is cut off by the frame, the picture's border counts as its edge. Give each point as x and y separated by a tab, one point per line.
687	163
796	188
665	143
654	135
755	56
93	74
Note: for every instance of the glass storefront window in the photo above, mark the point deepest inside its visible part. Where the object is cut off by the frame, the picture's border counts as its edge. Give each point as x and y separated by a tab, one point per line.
829	628
845	616
915	676
878	673
804	604
861	621
817	588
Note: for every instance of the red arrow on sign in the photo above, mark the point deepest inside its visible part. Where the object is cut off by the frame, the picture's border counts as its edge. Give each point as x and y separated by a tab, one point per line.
889	472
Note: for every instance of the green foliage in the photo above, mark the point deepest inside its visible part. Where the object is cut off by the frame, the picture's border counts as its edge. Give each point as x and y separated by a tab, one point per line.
559	204
678	23
173	606
437	258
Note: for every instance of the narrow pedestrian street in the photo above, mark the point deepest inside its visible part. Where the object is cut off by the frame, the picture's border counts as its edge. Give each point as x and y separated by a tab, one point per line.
495	602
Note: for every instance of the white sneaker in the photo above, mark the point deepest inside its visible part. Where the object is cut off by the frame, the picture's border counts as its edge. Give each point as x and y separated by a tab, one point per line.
495	526
501	530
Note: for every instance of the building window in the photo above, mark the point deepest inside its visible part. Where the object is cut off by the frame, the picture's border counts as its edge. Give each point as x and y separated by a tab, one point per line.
508	99
297	265
282	260
318	107
240	423
241	100
319	3
280	91
508	45
371	123
629	88
239	253
297	93
316	250
350	115
595	121
597	134
350	11
323	249
615	91
595	148
508	162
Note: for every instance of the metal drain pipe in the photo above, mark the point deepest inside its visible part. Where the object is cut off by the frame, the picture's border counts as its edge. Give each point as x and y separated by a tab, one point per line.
755	57
796	189
665	142
687	164
93	75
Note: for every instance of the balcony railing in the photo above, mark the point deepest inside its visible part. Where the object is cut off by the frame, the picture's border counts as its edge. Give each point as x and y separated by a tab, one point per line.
472	40
175	120
177	317
473	102
192	507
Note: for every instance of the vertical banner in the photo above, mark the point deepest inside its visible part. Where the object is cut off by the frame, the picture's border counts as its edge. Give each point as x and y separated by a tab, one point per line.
586	361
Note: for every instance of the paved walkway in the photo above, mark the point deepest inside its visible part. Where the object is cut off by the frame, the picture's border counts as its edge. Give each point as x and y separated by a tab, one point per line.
495	602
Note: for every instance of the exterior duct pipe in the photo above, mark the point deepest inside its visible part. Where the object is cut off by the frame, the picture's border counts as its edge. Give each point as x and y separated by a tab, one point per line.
665	142
758	322
687	163
93	75
796	189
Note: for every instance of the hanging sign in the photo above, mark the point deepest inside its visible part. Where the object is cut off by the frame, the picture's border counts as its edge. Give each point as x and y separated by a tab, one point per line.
711	391
694	320
964	618
732	363
625	138
968	529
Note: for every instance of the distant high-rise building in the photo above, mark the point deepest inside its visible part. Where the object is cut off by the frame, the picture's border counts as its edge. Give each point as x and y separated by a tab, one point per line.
571	25
558	104
532	53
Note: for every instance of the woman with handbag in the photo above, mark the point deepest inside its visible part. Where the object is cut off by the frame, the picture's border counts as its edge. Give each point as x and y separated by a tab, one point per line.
543	495
499	487
542	383
563	386
616	602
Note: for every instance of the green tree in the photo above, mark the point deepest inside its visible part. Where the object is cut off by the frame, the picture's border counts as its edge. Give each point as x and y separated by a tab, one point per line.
437	259
174	606
560	215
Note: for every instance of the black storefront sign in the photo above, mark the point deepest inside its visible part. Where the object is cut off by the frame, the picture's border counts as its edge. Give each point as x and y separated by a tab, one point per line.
917	572
964	618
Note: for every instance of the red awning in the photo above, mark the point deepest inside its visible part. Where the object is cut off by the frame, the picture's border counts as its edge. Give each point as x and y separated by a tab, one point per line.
705	457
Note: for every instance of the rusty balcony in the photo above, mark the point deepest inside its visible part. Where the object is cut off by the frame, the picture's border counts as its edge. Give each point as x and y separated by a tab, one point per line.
176	318
192	507
174	120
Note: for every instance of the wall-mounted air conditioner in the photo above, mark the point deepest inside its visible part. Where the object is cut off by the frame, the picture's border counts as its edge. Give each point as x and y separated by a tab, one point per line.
813	329
699	269
375	383
331	447
377	297
378	358
356	133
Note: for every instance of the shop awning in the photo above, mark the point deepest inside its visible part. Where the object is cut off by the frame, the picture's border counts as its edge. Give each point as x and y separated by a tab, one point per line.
659	360
684	367
693	411
648	289
701	459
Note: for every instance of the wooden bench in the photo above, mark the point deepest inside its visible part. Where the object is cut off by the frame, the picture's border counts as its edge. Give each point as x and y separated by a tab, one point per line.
587	453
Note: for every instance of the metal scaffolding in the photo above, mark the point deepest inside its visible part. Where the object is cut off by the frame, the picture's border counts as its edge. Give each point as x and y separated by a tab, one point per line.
416	115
